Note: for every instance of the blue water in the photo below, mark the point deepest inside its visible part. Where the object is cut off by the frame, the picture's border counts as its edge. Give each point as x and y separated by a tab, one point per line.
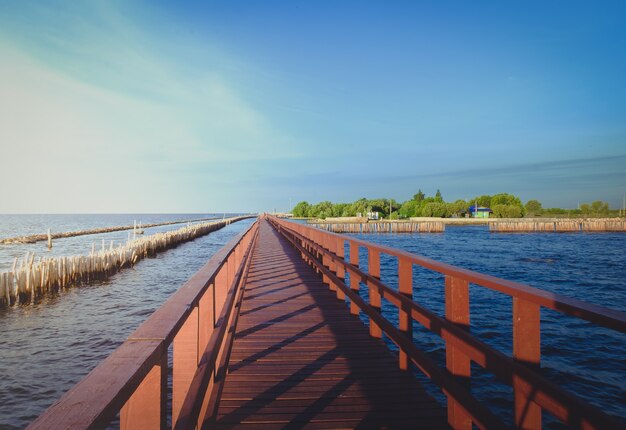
585	359
48	347
26	225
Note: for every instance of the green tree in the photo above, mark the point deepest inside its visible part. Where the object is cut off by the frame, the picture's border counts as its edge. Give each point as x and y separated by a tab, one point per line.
419	196
585	209
378	205
438	197
434	209
322	210
599	207
484	200
408	209
359	206
506	211
458	208
301	209
533	207
555	211
338	209
509	200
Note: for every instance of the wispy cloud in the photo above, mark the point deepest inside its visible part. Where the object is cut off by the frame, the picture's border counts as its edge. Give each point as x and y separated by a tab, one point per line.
108	114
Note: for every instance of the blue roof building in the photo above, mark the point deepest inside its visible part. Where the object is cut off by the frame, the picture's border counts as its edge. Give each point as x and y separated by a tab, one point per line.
479	212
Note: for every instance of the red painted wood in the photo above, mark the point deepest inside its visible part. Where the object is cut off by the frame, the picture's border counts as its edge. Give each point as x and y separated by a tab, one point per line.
185	361
527	382
300	357
405	322
457	362
354	278
373	268
339	269
146	408
527	349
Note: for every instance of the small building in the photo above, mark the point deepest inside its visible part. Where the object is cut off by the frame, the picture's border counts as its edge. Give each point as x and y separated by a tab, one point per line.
479	211
373	215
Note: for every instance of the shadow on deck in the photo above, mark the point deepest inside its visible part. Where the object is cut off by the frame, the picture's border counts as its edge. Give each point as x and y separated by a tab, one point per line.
301	360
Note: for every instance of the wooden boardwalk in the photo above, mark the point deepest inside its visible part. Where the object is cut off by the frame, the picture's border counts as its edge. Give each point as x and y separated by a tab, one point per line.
301	360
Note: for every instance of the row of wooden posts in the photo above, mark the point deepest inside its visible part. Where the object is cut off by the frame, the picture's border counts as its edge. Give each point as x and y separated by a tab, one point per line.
49	236
558	226
382	227
32	277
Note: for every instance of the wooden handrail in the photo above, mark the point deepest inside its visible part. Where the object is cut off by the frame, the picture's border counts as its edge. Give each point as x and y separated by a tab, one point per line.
606	317
531	389
484	417
133	379
191	409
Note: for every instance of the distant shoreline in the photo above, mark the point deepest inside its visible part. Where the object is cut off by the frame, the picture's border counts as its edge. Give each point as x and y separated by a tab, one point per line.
460	221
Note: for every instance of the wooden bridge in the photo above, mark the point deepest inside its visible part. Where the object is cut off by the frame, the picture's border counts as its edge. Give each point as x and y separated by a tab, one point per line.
267	335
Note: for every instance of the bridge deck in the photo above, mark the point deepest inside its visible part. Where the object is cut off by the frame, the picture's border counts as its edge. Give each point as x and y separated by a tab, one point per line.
300	359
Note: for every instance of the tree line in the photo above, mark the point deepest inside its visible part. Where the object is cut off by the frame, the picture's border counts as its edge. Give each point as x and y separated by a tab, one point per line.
503	205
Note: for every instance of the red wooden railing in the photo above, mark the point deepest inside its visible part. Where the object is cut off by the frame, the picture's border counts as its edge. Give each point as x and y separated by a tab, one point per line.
532	392
133	380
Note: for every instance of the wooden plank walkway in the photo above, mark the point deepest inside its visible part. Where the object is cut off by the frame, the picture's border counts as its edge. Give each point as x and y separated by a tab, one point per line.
301	360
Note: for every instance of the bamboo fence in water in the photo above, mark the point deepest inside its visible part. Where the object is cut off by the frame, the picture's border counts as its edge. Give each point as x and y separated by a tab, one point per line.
31	278
41	237
601	225
382	227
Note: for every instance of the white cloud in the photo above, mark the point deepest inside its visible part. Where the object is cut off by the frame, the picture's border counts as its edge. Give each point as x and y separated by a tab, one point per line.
116	140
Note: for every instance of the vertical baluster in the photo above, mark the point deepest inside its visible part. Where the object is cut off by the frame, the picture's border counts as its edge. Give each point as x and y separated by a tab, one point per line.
147	406
185	361
325	260
458	312
239	249
405	321
526	348
339	268
373	264
331	245
354	278
313	236
230	270
206	325
221	285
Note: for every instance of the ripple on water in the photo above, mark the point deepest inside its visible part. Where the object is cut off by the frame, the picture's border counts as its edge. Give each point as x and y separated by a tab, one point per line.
48	347
577	355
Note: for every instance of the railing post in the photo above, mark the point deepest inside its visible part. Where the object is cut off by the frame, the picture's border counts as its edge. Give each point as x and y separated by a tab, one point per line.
457	363
354	278
239	250
231	269
405	321
206	318
329	245
221	287
147	406
526	348
322	242
185	361
373	267
339	269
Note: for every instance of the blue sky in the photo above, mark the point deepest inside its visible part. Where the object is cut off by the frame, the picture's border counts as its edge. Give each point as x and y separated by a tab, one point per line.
119	106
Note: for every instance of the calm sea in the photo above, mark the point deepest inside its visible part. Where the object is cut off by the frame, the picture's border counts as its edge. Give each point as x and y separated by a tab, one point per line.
585	359
48	347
